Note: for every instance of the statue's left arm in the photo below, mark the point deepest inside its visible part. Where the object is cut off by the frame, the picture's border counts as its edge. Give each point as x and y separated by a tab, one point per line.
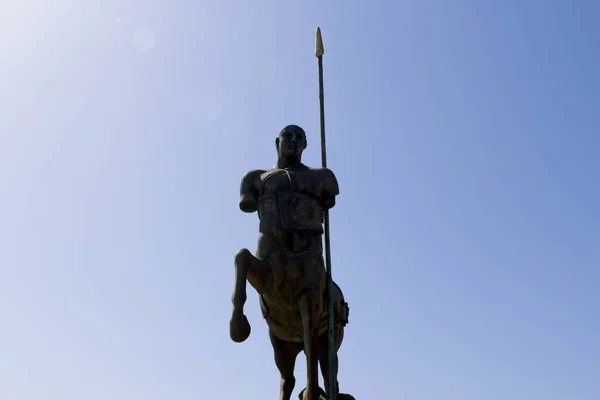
330	188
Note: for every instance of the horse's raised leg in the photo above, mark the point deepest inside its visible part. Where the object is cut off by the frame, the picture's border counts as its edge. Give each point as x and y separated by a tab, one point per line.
258	274
308	311
285	359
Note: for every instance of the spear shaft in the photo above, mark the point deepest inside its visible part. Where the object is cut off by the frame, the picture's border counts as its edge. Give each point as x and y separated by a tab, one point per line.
319	51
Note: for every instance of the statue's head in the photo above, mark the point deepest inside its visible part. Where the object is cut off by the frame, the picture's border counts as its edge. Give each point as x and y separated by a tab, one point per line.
291	142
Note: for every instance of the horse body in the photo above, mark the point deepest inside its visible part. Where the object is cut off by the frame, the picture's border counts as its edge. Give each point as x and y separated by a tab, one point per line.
285	320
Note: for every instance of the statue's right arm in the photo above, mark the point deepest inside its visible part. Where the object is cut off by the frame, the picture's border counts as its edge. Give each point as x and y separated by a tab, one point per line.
249	191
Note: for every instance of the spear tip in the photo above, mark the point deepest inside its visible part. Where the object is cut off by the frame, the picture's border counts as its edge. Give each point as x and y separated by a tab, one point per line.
319	50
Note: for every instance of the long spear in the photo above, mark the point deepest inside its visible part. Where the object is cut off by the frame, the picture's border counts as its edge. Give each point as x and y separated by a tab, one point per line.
319	51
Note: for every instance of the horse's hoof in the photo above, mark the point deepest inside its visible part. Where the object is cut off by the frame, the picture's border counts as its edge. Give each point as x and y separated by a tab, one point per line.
239	328
322	395
345	396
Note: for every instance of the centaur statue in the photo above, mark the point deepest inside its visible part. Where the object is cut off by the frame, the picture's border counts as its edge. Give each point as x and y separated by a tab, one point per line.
288	270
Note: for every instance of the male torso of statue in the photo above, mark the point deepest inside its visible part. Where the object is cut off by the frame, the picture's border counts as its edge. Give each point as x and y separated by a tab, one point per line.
290	205
290	199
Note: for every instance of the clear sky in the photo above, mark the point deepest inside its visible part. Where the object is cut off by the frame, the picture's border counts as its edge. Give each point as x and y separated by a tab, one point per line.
465	138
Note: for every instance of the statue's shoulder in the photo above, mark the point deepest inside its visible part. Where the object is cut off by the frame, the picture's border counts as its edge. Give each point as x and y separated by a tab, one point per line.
323	173
253	174
250	184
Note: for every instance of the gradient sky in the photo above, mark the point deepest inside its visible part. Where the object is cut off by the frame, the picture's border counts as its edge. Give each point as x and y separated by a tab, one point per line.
465	138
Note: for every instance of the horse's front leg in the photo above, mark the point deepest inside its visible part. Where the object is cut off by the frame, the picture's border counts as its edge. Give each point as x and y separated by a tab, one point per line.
285	359
324	357
258	274
309	311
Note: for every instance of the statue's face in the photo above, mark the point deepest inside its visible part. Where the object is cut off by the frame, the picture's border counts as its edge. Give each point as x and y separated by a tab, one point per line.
291	142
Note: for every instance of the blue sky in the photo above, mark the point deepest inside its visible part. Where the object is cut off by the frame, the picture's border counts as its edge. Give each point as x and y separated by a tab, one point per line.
466	237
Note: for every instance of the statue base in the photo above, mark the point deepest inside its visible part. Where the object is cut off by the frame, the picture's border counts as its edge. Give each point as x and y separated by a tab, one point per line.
323	395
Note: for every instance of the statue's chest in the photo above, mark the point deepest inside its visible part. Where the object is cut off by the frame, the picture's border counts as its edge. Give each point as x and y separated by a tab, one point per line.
278	181
290	200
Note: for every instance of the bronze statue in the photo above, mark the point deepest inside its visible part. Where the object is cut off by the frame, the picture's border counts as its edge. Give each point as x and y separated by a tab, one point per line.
288	271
